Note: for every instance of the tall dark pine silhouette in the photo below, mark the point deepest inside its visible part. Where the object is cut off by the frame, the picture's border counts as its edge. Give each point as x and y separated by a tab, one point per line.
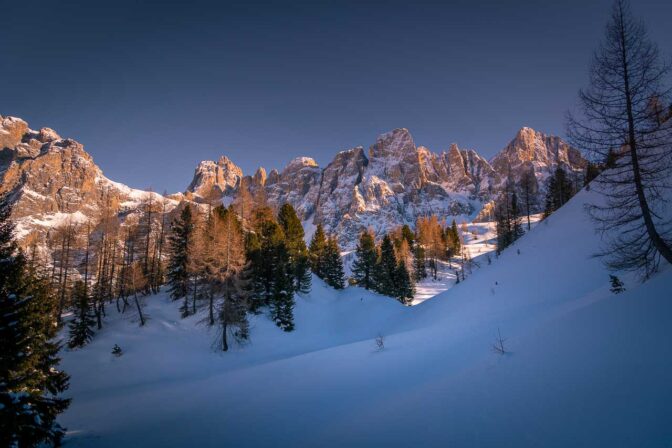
82	324
333	265
365	260
296	247
318	244
625	119
179	241
30	382
386	269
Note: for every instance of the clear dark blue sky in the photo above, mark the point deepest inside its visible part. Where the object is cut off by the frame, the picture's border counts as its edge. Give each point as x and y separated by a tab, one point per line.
152	88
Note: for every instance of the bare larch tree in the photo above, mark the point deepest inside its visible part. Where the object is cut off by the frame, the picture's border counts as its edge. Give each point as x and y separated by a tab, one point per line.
620	119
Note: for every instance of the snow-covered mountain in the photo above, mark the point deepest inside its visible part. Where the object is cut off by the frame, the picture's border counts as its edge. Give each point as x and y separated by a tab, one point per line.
394	182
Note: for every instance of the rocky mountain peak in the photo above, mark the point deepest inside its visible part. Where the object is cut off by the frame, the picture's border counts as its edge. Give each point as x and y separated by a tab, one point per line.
393	144
530	147
259	177
299	163
12	130
223	177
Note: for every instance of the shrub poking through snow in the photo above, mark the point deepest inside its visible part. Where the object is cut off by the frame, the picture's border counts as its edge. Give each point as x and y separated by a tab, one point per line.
498	346
380	342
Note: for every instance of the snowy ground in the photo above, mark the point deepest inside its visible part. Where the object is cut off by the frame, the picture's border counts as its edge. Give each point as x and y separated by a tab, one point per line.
480	243
584	367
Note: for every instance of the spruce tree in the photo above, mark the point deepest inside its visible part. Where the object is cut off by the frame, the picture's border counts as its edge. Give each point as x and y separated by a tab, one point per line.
365	260
407	234
30	382
516	225
404	285
333	265
559	191
419	263
296	246
179	254
272	273
453	239
318	245
386	269
81	326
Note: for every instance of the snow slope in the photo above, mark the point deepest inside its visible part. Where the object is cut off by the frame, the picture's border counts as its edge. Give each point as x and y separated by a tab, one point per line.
585	367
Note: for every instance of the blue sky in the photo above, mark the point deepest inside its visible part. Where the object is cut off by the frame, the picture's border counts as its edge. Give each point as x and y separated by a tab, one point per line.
152	88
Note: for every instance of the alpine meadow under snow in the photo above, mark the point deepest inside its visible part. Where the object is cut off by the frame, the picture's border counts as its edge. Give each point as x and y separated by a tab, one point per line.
582	366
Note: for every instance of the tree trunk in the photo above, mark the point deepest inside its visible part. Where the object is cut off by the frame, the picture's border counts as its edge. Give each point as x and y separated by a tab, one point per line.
656	239
137	305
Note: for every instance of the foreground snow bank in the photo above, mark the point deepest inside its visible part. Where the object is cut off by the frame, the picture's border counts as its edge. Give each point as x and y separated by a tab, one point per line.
584	367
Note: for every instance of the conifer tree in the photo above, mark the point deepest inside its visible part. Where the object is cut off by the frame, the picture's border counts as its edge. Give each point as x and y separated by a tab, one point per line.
179	241
272	273
558	192
282	298
408	235
403	283
365	260
296	246
507	220
453	239
30	382
318	245
528	192
81	326
386	269
333	265
419	263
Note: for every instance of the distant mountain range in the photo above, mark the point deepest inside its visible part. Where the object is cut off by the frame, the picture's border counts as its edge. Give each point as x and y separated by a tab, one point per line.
50	178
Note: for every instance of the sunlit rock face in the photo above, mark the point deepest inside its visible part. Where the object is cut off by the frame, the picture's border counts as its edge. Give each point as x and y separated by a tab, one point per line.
298	184
392	183
222	177
49	180
395	181
533	150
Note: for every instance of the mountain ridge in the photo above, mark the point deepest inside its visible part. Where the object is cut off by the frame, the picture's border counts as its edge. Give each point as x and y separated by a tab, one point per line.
392	183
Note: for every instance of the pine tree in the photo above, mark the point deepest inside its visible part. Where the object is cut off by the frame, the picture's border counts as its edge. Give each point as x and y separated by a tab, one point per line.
365	260
558	192
179	254
404	285
296	246
528	191
452	239
516	226
81	326
272	273
419	263
408	235
30	382
318	245
333	265
386	269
